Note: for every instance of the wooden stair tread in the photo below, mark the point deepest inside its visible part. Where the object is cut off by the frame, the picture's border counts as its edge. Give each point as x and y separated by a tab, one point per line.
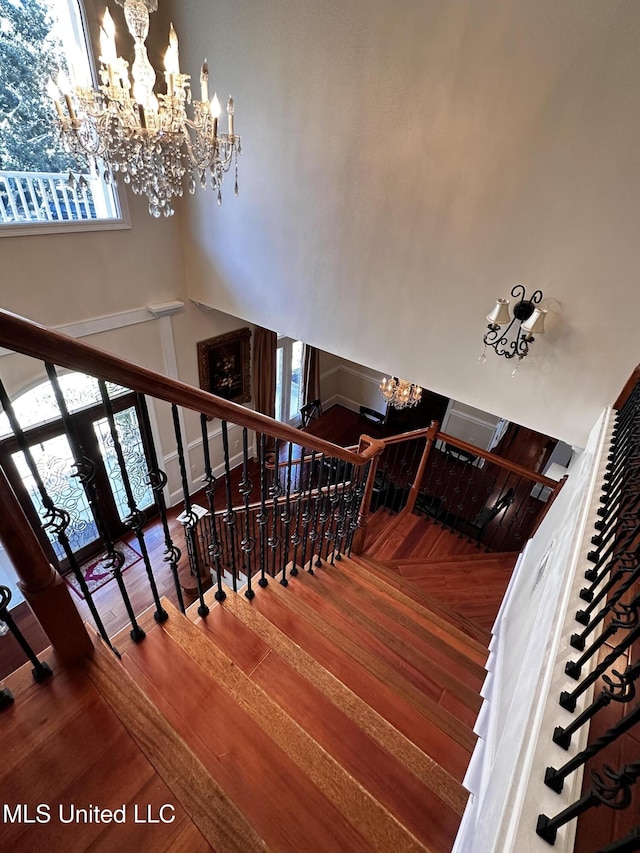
214	812
265	753
424	732
412	622
369	720
475	637
376	632
509	557
409	535
313	611
417	806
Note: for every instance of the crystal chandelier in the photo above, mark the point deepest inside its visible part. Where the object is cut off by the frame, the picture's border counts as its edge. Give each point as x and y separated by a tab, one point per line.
145	136
399	393
516	338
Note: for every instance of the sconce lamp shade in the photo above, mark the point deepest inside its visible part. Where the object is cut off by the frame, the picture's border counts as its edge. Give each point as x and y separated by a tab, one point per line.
535	324
499	316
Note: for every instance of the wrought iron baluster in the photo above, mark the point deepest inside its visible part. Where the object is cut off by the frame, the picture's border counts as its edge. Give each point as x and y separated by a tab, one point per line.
137	519
211	482
285	517
275	491
328	507
394	476
317	498
246	487
610	788
86	470
624	616
263	516
191	519
578	640
619	688
332	531
158	481
56	518
345	511
41	670
627	508
568	700
295	536
306	513
229	517
623	558
554	779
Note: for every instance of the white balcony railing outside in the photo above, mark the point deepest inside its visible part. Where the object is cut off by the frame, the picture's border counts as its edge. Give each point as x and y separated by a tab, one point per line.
29	197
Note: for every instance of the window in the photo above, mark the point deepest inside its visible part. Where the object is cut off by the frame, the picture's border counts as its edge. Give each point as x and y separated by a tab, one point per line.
43	187
289	380
39	416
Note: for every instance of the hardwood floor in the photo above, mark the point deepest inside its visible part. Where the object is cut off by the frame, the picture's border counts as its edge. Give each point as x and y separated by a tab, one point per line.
66	748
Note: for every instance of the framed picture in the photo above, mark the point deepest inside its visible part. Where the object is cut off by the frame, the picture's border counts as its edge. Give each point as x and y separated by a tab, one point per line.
223	365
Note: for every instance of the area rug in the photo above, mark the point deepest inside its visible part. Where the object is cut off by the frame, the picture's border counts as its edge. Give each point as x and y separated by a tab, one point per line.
97	571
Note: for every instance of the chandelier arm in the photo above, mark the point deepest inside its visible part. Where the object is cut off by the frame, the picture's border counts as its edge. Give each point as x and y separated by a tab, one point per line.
499	341
146	137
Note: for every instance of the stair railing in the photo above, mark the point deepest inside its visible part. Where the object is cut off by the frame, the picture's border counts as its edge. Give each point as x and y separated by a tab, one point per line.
612	624
470	491
286	521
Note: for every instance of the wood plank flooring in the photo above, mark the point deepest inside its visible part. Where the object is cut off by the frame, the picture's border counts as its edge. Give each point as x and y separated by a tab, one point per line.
64	747
468	582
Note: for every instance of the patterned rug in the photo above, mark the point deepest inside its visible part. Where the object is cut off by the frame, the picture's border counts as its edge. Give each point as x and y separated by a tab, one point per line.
97	572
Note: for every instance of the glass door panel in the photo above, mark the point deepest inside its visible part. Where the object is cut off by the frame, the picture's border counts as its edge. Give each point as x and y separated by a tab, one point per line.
279	384
54	460
134	457
295	397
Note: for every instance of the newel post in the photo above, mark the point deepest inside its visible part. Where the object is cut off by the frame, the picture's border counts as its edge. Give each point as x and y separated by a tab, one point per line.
432	433
357	545
43	588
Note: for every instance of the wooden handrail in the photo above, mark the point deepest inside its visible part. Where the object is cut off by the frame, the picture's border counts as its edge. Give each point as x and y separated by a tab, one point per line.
497	460
29	338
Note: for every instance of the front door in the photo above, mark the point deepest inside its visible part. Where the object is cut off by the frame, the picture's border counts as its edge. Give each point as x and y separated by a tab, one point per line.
54	460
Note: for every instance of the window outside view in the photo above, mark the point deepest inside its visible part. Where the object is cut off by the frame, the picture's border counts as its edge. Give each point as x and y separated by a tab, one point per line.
43	41
289	379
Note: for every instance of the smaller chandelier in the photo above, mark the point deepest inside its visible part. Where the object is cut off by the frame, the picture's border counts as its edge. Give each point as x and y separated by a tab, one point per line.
146	136
399	393
517	337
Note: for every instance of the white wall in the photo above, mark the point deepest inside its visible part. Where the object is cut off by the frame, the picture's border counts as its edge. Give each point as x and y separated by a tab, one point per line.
405	164
526	674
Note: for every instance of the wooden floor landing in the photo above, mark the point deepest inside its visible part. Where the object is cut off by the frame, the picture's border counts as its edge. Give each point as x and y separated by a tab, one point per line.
65	749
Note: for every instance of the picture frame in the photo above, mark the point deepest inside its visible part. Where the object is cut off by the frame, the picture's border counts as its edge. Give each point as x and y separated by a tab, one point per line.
224	365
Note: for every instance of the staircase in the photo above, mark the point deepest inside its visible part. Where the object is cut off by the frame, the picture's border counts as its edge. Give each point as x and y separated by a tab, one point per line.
335	713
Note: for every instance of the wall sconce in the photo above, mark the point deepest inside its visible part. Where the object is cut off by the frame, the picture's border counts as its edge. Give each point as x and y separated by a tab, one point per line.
516	338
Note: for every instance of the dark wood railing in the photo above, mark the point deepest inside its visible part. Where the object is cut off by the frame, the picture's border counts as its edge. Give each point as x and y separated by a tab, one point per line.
459	486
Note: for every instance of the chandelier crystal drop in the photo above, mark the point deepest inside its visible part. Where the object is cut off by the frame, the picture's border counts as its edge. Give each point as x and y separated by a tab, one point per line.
144	135
399	393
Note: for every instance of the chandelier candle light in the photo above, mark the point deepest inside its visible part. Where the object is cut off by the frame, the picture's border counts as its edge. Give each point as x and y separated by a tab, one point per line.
399	393
516	338
143	135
